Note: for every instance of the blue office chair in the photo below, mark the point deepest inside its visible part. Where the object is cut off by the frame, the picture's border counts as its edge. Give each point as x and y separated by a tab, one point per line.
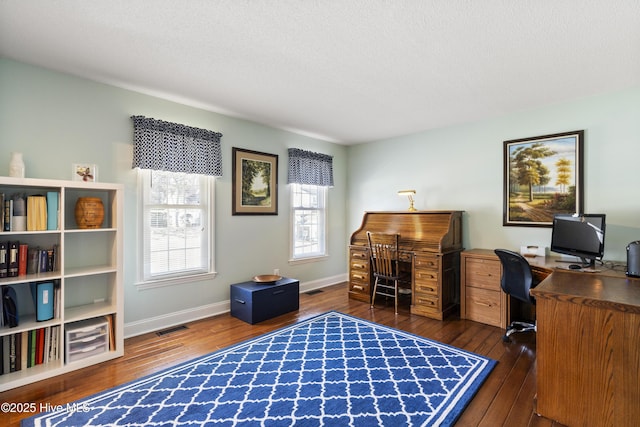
516	281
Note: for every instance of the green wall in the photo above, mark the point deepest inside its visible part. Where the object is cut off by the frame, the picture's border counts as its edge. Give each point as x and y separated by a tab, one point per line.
56	120
461	167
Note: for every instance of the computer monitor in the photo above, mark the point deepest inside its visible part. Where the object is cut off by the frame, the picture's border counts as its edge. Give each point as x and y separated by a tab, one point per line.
579	235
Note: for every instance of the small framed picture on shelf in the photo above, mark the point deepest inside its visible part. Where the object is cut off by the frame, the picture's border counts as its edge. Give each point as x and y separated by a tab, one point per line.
85	172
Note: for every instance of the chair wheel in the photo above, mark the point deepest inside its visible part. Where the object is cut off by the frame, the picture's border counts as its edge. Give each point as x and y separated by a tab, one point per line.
505	338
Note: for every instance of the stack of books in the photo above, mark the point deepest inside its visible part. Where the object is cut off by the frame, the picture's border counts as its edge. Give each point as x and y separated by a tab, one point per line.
27	349
19	259
40	211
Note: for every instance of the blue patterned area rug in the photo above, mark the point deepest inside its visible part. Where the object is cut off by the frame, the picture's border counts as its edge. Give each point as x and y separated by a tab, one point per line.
330	370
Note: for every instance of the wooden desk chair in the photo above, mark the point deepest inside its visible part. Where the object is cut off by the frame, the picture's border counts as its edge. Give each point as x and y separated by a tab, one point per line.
383	250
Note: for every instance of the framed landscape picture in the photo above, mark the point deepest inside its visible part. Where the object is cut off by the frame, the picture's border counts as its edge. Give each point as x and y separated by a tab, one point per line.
543	176
254	182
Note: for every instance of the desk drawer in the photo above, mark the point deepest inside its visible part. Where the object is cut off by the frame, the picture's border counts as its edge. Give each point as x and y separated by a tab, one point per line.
359	287
427	262
427	288
483	306
359	276
359	253
426	305
360	265
426	300
426	277
101	346
482	273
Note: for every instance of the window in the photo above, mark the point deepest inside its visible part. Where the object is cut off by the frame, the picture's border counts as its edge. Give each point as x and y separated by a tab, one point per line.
308	213
176	223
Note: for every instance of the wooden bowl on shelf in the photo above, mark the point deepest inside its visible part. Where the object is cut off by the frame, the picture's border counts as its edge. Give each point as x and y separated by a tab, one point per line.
266	279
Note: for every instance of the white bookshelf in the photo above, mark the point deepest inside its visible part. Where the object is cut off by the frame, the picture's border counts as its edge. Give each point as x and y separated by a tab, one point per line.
90	272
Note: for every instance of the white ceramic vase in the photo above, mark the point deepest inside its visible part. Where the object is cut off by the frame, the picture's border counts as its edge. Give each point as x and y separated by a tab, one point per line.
16	165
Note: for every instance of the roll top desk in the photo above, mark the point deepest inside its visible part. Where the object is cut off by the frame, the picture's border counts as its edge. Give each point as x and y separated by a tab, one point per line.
430	245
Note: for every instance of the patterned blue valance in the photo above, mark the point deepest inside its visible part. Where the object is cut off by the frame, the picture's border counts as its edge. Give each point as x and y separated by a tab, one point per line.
165	146
306	167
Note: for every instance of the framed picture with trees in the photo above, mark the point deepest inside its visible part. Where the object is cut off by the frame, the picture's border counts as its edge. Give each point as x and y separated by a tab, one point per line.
254	182
543	176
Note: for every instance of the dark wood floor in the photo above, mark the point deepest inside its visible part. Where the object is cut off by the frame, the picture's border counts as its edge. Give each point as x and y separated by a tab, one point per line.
505	399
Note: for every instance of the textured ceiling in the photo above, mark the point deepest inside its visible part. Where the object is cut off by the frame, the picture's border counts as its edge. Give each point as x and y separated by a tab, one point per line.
346	71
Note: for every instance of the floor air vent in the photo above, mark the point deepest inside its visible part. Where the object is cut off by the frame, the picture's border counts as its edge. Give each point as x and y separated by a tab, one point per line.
313	292
171	330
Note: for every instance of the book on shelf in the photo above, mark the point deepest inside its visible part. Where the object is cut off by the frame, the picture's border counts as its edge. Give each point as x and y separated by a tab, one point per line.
8	214
42	260
27	349
36	213
39	357
50	259
31	356
24	354
2	212
111	331
23	249
56	299
43	295
12	262
33	260
15	350
56	257
52	341
4	343
4	258
19	215
53	210
4	355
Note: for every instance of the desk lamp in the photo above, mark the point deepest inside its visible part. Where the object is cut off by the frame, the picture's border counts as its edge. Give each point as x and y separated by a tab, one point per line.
409	194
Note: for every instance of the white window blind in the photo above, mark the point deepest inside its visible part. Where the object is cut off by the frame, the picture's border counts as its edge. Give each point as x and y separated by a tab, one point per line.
176	225
308	215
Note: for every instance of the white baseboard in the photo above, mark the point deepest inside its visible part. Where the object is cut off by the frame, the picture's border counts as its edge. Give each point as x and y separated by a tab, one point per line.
321	283
165	321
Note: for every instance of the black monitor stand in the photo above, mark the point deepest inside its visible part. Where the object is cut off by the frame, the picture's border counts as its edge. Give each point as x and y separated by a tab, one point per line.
585	262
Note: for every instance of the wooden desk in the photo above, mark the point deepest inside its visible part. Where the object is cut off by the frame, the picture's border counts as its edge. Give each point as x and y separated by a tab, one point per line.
588	349
430	246
481	297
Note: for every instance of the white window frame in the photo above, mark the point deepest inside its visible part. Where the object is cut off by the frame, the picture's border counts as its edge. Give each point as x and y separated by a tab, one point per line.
145	280
322	252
